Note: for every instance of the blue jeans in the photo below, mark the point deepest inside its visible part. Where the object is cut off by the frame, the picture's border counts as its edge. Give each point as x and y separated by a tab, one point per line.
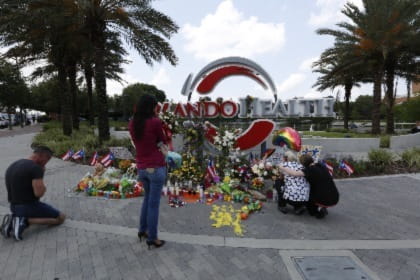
36	209
152	183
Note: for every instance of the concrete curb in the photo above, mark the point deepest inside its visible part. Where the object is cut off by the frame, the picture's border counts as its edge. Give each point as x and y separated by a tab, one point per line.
254	243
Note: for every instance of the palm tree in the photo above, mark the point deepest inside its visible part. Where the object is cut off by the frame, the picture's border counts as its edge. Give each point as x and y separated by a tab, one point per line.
42	29
114	59
139	24
338	70
378	35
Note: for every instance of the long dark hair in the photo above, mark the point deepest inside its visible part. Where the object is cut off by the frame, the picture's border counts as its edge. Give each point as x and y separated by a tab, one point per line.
145	109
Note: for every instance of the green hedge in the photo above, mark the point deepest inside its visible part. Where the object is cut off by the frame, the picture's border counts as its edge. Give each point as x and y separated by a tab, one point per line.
84	138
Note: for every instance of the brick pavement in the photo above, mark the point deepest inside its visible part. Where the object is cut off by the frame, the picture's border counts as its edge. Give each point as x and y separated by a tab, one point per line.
378	208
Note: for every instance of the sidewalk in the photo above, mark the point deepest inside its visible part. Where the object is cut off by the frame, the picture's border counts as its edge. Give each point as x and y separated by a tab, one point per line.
376	224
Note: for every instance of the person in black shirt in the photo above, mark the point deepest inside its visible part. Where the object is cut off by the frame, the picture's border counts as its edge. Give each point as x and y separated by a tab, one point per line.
323	192
25	186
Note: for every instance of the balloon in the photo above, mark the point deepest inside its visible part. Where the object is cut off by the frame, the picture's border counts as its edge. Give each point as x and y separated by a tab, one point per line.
289	137
174	160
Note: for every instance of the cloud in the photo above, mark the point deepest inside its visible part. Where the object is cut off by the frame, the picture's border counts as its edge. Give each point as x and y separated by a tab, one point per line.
316	94
330	12
292	81
227	32
306	65
161	78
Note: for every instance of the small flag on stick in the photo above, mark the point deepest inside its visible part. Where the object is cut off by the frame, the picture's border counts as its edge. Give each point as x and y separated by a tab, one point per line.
108	160
67	155
79	154
329	167
346	167
95	158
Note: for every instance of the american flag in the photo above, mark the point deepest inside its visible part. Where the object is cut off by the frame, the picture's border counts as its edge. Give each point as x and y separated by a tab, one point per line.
346	167
328	166
94	159
211	170
79	154
67	155
108	159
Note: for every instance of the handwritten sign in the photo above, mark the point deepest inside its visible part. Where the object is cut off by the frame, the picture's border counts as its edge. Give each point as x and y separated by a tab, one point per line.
121	153
314	151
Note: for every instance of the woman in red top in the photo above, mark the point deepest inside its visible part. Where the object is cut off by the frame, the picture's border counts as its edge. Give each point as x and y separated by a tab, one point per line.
146	134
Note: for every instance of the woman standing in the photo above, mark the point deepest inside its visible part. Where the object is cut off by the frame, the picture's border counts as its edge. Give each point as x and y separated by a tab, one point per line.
147	137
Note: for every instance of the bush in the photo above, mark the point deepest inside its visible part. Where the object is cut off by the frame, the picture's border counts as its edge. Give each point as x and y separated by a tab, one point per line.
384	141
84	138
380	160
411	158
43	118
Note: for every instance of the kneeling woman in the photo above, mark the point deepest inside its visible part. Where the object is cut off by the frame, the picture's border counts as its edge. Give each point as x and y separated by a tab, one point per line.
323	192
296	189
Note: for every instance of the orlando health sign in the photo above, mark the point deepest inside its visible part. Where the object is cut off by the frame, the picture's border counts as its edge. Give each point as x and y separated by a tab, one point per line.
260	109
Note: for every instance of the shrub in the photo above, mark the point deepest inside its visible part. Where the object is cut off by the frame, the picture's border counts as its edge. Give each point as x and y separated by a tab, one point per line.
380	160
84	138
384	141
411	158
361	168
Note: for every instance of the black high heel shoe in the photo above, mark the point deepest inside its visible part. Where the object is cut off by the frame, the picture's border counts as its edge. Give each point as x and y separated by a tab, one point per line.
155	243
142	235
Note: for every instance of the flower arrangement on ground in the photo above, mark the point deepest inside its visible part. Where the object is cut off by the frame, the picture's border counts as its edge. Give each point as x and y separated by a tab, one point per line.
190	170
257	183
265	170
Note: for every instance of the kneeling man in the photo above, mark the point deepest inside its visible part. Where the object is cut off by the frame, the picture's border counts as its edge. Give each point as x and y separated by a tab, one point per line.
25	186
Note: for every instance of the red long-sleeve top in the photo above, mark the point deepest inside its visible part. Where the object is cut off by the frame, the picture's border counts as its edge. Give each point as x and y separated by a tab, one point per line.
148	154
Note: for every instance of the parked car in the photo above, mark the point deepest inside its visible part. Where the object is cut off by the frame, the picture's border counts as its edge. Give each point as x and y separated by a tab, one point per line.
3	122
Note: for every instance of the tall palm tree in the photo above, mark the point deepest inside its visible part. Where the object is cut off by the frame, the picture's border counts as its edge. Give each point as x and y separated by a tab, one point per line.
143	28
378	35
114	59
42	29
338	69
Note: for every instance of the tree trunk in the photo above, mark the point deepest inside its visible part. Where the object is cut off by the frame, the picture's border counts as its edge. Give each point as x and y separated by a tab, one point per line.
376	110
347	88
65	101
88	77
21	117
9	116
71	73
408	89
390	99
100	86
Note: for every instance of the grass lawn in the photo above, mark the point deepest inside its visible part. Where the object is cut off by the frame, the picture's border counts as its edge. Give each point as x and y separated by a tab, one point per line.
334	134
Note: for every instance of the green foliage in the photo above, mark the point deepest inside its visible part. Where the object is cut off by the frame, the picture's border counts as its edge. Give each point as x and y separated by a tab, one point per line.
362	108
384	141
411	158
13	89
380	160
52	136
408	111
45	96
132	93
338	133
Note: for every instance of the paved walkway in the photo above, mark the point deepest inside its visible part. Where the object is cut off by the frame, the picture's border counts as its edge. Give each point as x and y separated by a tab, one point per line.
376	224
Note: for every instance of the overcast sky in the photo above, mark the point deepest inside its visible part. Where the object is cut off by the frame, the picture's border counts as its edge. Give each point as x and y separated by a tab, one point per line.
279	35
